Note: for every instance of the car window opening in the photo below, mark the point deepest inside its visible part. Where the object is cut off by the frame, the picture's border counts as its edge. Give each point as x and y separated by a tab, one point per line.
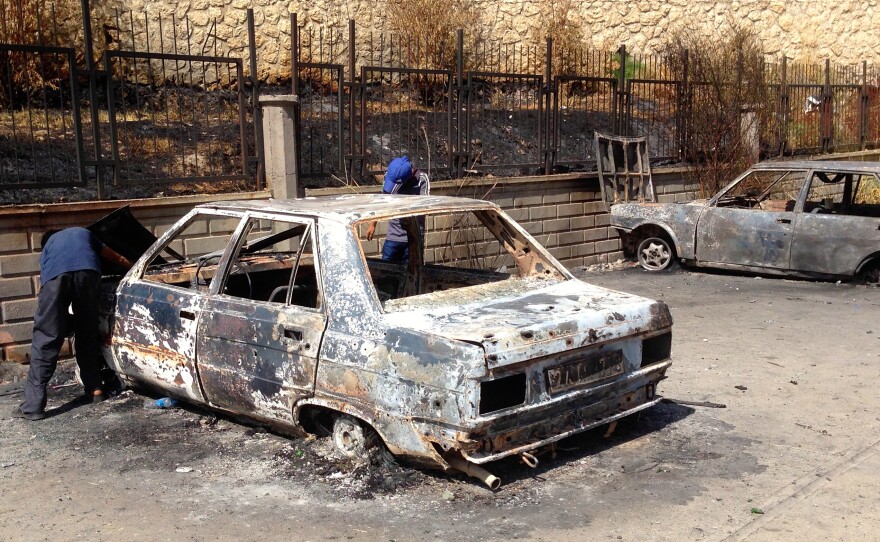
423	254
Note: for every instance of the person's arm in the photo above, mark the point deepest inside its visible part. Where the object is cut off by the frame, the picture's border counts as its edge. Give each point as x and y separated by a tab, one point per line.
114	257
371	229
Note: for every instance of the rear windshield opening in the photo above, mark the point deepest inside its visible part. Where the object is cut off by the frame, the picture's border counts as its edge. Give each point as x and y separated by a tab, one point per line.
422	254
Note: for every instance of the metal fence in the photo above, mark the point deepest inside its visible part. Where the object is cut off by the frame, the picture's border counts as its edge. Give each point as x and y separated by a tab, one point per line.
519	108
154	109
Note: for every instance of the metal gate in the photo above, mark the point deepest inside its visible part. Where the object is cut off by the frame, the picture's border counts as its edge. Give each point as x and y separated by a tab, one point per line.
41	128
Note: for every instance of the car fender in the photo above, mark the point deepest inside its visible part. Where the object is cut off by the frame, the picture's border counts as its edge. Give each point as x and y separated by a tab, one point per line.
401	436
867	260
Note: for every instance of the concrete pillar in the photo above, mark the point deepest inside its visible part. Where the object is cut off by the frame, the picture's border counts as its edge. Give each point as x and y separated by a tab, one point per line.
279	137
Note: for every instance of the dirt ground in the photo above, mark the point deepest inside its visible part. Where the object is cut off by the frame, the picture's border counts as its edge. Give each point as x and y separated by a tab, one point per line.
792	455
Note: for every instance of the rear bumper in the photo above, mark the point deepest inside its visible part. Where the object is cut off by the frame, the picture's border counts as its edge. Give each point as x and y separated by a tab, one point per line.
542	426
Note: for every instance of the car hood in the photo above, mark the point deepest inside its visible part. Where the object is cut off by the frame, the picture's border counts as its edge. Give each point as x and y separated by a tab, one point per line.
542	321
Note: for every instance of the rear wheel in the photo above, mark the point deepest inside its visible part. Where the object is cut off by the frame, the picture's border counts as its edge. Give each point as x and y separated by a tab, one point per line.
352	438
655	253
871	274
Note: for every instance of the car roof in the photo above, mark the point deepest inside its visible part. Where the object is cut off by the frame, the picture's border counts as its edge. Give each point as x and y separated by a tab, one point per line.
350	208
825	165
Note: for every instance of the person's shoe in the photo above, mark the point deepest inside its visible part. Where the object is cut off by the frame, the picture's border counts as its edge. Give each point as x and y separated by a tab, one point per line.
32	416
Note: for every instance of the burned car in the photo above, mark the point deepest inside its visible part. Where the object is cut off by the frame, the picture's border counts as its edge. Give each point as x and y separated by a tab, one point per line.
800	218
478	345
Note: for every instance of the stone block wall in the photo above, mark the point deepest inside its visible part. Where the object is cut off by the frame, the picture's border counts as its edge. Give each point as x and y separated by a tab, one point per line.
803	31
565	213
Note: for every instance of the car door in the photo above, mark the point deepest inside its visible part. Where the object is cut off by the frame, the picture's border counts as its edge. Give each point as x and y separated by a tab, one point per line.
752	223
260	334
832	233
157	311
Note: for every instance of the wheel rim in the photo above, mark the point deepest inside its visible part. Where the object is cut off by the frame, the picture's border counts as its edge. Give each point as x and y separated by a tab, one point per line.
348	436
654	255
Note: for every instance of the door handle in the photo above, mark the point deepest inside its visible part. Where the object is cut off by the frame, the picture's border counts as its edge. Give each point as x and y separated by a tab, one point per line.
187	315
783	220
296	335
293	333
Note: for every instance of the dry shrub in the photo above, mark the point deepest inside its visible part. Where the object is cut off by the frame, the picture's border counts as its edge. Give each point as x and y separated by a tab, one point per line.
559	20
431	27
33	22
728	97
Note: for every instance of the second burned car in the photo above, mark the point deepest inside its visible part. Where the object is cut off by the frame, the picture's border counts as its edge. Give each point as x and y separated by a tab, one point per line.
799	218
479	346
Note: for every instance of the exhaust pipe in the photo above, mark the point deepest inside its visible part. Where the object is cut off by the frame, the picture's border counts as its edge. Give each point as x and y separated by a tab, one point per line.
473	470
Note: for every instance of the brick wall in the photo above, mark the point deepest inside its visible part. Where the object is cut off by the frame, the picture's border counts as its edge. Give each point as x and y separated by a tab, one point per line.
22	228
564	212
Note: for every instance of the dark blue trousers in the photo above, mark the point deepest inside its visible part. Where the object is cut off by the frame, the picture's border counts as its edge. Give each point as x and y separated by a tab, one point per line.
52	323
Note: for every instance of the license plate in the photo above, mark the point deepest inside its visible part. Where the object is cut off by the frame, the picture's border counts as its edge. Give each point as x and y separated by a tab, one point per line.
584	371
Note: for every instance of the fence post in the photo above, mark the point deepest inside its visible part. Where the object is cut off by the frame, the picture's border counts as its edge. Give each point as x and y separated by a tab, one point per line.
827	110
620	127
863	108
93	95
544	123
684	99
255	97
352	100
782	114
294	86
461	157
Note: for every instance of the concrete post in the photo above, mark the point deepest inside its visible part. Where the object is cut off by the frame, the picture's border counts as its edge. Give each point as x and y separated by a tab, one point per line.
279	136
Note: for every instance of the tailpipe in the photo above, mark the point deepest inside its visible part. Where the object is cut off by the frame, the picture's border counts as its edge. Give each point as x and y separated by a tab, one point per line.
473	470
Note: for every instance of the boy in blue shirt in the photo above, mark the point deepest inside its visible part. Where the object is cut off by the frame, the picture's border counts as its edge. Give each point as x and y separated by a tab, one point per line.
401	178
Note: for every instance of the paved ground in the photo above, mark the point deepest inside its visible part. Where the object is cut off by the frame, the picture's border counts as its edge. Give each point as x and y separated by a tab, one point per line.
792	456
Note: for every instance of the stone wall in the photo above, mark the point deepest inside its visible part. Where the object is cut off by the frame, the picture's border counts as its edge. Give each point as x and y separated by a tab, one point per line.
843	31
564	213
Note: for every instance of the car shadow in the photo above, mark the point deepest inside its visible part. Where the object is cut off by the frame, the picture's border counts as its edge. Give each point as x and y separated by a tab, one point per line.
71	404
592	442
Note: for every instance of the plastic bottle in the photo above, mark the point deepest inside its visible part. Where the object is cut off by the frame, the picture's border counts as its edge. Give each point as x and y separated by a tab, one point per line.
165	402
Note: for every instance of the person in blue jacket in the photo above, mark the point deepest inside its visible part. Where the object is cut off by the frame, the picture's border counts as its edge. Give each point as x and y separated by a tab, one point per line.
70	276
400	178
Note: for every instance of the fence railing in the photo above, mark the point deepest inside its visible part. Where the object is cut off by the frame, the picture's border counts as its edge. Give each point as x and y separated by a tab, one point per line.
514	109
149	110
153	108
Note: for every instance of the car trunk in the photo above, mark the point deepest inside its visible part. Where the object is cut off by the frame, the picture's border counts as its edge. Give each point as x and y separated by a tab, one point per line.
541	322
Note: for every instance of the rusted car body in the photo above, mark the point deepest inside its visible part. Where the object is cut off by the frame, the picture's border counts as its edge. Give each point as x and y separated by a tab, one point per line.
800	218
289	320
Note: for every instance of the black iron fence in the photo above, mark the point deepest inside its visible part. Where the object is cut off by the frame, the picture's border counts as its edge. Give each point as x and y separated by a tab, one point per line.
149	111
141	106
518	108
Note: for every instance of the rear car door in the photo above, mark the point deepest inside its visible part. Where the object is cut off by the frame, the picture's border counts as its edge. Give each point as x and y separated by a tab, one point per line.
157	312
836	229
260	333
752	223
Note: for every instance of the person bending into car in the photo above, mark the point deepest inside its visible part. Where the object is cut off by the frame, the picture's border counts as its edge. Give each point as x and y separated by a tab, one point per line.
70	276
401	178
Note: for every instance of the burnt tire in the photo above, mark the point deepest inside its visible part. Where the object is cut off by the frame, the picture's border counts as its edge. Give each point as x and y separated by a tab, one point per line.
871	274
655	254
352	437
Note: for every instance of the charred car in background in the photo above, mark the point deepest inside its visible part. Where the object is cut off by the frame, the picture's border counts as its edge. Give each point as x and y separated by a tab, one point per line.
479	346
801	218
